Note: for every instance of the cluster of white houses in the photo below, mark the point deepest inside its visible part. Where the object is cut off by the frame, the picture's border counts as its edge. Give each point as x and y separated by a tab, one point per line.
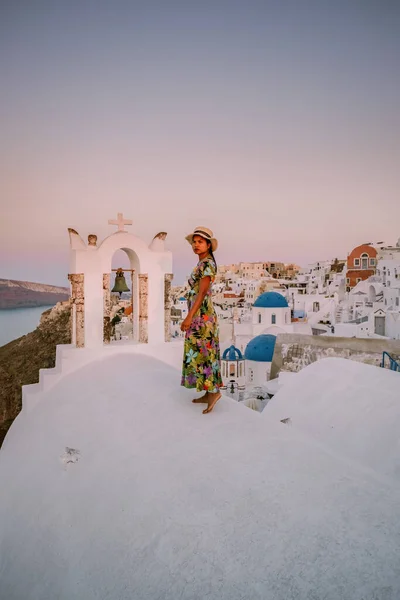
356	297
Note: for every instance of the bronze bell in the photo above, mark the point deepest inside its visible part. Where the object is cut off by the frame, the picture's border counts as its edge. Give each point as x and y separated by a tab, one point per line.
120	283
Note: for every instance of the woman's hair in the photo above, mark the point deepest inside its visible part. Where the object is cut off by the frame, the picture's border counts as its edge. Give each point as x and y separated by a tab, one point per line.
212	255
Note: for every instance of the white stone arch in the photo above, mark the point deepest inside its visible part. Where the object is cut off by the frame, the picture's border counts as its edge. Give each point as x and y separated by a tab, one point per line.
138	283
152	265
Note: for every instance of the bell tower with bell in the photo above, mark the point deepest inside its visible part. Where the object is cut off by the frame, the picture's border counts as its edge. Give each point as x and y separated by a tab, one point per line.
151	275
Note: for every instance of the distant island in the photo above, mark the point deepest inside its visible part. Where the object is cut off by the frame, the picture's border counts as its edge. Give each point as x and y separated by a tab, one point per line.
25	294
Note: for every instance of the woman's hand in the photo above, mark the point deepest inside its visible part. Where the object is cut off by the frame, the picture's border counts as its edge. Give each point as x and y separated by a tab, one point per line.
186	323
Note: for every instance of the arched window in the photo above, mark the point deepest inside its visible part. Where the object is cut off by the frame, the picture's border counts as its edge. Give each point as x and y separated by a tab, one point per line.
273	319
259	317
232	370
364	260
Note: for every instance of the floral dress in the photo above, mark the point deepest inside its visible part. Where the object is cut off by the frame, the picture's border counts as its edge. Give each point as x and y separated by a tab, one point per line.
201	358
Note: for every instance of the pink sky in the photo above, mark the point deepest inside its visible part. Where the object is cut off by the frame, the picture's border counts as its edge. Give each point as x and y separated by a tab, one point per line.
279	133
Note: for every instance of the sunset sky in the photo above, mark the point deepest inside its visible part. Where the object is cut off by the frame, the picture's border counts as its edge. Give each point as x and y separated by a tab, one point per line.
274	123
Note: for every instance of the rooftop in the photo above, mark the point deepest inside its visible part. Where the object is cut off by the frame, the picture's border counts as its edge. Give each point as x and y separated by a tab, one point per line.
154	500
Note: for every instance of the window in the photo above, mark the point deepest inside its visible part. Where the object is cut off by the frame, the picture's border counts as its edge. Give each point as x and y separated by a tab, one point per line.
241	370
273	319
356	262
232	370
358	279
259	317
347	279
397	301
372	262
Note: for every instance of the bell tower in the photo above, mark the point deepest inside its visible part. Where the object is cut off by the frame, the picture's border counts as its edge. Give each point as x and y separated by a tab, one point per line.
90	267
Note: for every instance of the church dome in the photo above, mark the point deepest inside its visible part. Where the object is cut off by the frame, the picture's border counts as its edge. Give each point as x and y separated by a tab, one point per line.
261	348
232	353
271	300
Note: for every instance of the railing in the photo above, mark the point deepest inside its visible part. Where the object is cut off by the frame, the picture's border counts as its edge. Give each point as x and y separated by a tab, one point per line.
358	320
393	364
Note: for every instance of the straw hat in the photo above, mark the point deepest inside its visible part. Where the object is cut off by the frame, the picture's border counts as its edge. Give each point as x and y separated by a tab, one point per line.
205	233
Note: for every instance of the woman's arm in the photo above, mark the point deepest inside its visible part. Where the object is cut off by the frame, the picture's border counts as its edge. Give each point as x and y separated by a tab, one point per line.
203	289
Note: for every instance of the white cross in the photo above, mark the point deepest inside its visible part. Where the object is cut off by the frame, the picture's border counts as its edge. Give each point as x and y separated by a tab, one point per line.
120	222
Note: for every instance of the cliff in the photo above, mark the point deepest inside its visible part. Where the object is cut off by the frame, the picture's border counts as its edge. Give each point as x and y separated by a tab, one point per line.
23	294
21	359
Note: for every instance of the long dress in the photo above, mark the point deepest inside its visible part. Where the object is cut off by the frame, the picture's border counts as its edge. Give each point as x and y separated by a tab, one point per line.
201	359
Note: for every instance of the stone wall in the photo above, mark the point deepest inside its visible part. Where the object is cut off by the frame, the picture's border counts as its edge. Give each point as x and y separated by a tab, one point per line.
78	299
293	352
106	308
167	306
143	308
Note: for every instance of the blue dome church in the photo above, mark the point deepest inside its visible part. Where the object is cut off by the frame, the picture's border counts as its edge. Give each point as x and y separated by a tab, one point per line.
233	370
259	354
271	313
270	316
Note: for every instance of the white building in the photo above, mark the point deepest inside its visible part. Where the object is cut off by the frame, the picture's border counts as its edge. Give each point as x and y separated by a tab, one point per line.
372	308
270	314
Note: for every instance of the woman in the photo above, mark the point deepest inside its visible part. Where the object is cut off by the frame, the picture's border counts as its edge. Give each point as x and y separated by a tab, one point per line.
201	359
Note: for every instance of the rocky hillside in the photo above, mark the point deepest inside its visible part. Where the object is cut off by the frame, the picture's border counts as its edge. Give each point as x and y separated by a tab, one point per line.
23	294
21	359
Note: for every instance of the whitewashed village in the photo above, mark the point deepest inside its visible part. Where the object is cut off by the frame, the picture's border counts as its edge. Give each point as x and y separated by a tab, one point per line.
141	496
353	297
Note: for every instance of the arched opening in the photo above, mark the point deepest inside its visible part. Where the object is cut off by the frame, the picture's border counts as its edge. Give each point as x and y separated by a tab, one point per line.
372	294
121	298
364	260
232	370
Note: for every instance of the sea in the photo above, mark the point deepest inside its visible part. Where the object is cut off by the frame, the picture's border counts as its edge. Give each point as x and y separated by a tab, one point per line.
19	321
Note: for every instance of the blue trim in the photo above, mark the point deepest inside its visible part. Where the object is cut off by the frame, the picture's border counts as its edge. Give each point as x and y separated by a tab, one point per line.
393	364
232	353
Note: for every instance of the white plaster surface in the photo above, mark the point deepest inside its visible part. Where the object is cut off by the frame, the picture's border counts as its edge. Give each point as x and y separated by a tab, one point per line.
165	503
350	407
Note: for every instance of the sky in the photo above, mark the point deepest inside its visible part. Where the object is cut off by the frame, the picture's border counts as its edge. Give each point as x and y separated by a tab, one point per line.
273	123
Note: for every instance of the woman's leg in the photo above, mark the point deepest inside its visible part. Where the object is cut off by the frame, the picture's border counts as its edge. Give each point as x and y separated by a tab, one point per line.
212	401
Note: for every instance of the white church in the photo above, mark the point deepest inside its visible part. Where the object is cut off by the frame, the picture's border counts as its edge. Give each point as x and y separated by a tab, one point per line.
255	338
116	486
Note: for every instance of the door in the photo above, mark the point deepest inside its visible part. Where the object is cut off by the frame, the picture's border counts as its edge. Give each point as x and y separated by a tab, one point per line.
380	325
